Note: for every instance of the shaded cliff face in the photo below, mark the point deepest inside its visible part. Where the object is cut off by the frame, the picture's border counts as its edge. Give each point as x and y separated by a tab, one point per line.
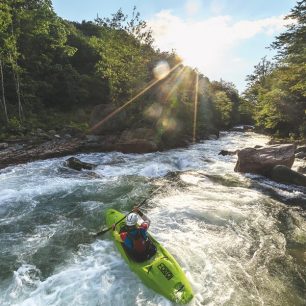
237	241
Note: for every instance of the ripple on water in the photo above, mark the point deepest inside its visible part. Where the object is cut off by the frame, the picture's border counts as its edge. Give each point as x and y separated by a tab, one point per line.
236	241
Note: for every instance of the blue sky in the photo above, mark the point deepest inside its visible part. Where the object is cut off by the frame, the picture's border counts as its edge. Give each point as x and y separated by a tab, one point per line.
223	38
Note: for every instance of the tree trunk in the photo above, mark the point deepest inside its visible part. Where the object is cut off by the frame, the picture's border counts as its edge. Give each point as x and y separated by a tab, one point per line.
3	92
20	109
17	85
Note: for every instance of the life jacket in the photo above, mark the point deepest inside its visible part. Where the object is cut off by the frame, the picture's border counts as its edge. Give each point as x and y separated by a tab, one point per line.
139	241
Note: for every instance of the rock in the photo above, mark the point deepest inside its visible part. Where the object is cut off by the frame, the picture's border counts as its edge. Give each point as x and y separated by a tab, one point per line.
139	140
92	138
225	152
137	146
76	164
52	132
57	136
3	145
300	149
257	147
301	169
285	175
67	136
262	160
301	155
40	131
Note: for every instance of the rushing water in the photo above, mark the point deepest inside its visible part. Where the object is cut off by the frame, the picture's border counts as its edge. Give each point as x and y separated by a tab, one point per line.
233	234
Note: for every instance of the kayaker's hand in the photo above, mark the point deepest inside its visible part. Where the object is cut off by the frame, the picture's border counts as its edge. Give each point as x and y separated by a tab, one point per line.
136	210
114	227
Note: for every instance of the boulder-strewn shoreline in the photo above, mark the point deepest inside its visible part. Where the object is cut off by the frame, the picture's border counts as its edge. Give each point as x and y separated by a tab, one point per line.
45	145
24	151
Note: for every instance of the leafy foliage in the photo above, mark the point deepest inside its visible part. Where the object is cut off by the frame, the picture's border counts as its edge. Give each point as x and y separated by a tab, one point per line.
54	69
278	90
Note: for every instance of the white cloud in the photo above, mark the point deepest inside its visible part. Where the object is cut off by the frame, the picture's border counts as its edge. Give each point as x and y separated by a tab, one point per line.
209	44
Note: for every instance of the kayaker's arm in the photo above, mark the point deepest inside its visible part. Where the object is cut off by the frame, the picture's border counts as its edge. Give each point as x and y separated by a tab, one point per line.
143	216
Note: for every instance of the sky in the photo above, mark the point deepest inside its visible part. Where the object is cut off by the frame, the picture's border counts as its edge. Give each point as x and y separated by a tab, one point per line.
221	38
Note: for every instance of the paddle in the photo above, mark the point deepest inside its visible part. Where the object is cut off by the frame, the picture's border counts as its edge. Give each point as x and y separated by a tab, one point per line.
138	206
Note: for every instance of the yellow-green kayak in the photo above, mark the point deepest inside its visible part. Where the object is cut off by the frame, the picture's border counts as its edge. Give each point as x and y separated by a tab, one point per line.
161	272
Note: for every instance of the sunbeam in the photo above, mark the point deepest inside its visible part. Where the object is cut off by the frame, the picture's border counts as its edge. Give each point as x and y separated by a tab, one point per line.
195	114
119	109
177	83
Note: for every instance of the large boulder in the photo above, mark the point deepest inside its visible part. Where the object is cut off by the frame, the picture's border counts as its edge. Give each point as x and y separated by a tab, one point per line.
300	149
262	160
76	164
302	169
285	175
301	155
141	140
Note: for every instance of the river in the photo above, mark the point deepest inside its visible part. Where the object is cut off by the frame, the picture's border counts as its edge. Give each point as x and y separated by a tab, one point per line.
241	239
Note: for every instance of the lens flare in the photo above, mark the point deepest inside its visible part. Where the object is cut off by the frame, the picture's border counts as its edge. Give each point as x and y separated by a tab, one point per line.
195	114
169	124
119	109
154	111
161	70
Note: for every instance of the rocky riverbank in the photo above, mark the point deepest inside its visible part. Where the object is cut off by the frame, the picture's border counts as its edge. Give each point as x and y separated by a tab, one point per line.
43	145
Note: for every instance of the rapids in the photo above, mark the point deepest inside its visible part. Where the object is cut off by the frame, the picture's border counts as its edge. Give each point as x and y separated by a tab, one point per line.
241	239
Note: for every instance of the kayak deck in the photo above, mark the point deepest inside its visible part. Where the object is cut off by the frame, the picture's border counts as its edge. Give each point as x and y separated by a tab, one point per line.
161	272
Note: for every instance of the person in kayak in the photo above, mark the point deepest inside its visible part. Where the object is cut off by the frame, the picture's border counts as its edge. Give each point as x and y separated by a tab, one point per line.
134	237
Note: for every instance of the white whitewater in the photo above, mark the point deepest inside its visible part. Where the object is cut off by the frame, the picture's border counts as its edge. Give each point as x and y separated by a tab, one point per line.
233	234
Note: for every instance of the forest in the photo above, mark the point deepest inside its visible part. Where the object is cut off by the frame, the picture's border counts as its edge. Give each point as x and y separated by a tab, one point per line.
54	73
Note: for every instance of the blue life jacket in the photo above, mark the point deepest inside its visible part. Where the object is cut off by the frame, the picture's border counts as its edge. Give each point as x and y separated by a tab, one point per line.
137	233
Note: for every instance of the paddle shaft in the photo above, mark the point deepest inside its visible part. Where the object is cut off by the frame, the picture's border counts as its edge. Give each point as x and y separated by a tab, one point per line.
138	206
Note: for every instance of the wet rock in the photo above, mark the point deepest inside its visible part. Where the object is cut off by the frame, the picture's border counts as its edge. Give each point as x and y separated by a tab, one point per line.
225	152
300	149
52	132
301	169
21	153
262	160
301	155
76	164
3	145
257	147
285	175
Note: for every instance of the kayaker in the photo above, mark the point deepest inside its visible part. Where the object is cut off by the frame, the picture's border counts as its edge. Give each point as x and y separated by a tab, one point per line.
134	237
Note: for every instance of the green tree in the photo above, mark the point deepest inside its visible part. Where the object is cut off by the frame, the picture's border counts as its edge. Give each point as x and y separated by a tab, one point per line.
224	107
